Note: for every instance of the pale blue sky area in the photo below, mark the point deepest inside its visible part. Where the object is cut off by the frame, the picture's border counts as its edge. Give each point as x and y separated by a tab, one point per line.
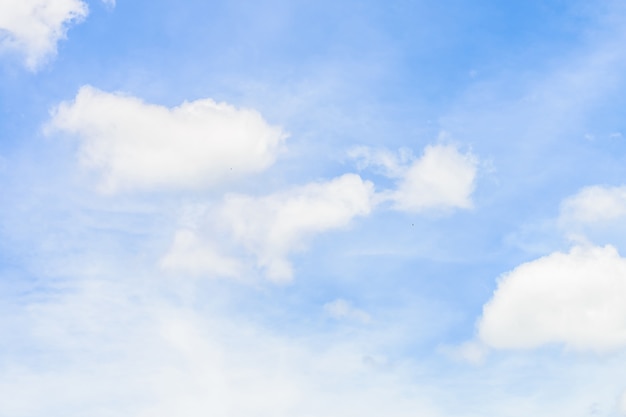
312	208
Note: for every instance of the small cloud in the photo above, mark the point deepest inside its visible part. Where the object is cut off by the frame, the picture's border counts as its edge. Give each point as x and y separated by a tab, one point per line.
341	309
442	178
594	204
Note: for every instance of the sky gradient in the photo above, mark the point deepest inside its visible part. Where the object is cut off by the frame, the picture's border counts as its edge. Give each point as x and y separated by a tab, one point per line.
312	209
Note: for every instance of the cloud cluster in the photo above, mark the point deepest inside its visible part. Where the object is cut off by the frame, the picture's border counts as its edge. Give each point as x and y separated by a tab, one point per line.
574	299
136	145
441	178
33	27
273	226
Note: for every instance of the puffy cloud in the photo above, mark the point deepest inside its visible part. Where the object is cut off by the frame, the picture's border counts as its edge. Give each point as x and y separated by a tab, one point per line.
33	27
442	178
594	204
341	309
574	298
271	227
136	145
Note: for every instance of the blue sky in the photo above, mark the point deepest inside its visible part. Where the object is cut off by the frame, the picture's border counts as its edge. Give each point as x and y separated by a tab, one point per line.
312	209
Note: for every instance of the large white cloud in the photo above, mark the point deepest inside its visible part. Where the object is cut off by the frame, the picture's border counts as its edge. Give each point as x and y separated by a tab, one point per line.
136	145
575	299
442	178
33	27
271	227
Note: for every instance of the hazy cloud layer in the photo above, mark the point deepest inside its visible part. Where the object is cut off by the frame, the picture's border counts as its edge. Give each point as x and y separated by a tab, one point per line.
136	145
574	298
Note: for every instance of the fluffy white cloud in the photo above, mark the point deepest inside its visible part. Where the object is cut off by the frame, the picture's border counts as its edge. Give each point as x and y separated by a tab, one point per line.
136	145
442	178
33	27
594	204
270	227
341	309
574	298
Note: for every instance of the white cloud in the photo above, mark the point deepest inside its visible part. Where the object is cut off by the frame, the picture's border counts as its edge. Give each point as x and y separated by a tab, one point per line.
136	145
270	227
575	299
33	27
442	178
341	309
594	204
